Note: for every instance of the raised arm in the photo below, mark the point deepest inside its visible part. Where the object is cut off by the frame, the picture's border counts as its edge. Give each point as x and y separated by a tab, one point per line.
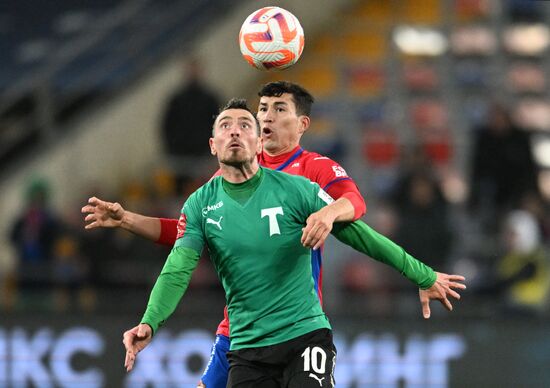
433	285
104	214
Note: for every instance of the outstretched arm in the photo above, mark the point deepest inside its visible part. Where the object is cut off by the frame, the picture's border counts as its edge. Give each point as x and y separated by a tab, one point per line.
170	286
165	296
433	285
441	290
135	340
104	214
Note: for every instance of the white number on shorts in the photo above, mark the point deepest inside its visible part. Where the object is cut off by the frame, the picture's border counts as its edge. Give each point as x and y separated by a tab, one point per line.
312	361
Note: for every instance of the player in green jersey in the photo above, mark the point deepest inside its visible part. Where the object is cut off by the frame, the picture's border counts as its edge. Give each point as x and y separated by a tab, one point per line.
292	105
252	226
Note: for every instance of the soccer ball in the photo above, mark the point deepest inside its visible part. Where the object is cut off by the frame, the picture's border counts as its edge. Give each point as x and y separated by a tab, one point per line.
271	38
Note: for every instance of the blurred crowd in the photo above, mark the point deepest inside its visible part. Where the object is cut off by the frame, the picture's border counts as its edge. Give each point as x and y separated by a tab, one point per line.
498	235
493	226
487	219
61	266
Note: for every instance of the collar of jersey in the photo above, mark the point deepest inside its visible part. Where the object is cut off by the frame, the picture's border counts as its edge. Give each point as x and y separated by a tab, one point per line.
236	190
279	162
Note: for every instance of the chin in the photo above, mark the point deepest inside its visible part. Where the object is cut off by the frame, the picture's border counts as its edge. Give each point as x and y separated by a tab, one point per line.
235	160
270	145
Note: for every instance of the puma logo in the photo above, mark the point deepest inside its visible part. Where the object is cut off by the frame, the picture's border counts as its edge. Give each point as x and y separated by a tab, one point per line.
320	380
217	223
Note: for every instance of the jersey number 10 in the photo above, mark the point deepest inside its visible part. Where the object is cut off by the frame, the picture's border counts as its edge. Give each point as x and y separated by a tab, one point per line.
314	359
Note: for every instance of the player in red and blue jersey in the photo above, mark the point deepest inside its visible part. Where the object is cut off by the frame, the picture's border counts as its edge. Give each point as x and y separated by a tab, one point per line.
284	117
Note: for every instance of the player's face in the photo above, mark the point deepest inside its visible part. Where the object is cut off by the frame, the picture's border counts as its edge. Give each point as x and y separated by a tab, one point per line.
235	139
281	126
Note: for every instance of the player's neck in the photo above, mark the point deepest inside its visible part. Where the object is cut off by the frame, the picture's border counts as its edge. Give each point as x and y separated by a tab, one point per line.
239	173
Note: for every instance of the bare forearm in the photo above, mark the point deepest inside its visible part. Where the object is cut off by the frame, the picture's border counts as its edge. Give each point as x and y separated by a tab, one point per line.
143	226
348	189
342	209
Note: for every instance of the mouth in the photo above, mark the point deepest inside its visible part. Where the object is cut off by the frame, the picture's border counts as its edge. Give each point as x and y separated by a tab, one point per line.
235	145
266	131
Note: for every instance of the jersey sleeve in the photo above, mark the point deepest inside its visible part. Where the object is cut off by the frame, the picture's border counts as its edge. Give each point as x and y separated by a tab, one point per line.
190	231
168	231
335	180
363	238
170	286
326	172
314	198
348	189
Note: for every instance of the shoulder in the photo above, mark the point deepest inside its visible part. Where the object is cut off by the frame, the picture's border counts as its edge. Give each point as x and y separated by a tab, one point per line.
286	181
313	156
314	160
295	189
283	176
322	169
206	191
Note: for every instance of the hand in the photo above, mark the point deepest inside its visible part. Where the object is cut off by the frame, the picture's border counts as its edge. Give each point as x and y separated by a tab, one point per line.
102	214
441	289
318	226
135	340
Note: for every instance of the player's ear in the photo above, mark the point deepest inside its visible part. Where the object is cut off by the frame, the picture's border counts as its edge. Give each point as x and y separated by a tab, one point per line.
212	146
304	124
259	146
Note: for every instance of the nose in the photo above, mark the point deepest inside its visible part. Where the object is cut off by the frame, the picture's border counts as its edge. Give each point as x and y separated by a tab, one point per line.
235	130
268	116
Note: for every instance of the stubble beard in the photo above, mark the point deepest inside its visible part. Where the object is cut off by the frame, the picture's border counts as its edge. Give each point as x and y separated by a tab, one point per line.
238	162
244	166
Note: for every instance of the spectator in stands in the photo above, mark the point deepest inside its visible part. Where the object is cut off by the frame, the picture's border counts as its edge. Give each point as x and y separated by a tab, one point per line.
187	125
523	273
503	168
540	209
423	225
33	235
71	275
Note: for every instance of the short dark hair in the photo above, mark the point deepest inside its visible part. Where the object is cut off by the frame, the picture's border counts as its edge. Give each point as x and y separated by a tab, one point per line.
301	97
237	103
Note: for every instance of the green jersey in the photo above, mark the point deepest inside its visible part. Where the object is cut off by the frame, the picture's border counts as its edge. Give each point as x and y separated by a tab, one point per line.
256	250
255	254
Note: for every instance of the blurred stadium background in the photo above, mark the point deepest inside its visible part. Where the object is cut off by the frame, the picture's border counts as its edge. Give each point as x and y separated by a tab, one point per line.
409	94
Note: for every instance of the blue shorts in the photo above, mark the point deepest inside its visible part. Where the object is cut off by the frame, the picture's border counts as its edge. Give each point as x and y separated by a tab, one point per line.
217	370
